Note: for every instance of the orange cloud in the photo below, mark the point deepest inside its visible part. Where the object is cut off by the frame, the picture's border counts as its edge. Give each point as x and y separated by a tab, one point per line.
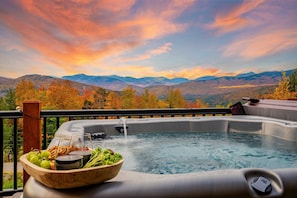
233	20
144	71
192	73
72	33
267	43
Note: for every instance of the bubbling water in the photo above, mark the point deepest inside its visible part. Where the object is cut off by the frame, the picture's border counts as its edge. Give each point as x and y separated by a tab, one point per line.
173	153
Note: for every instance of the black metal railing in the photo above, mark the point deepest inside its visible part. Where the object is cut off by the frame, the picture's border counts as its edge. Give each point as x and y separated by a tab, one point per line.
48	115
11	116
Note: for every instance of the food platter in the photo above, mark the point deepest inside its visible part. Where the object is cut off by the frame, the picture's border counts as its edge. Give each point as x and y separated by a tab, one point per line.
62	179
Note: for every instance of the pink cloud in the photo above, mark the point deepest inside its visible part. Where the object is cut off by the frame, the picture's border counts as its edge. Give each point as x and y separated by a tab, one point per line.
270	28
161	50
234	19
267	43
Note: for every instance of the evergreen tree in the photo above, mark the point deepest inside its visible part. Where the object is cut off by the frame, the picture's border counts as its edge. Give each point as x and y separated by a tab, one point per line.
293	81
3	105
10	100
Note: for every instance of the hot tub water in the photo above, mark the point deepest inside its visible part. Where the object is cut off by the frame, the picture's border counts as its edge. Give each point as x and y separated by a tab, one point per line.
173	153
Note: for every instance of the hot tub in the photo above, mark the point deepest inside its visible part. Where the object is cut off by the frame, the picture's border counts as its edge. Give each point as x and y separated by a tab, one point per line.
243	182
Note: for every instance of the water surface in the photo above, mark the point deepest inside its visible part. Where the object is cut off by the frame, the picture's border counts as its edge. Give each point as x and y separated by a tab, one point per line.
173	153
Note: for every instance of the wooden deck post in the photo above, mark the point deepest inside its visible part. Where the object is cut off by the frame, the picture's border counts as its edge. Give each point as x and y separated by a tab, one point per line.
31	129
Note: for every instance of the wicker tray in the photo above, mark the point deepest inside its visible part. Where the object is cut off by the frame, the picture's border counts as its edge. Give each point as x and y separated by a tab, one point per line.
62	179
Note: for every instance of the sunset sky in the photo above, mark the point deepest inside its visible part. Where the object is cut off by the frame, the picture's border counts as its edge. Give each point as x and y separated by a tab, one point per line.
170	38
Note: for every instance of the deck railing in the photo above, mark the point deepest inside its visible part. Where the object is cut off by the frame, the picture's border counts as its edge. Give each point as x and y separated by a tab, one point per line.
34	132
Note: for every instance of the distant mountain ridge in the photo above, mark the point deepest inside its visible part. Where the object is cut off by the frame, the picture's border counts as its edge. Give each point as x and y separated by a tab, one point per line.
118	83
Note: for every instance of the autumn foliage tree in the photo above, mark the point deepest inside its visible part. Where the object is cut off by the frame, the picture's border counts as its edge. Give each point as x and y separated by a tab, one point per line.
128	98
175	99
113	101
197	104
286	88
25	90
149	100
100	97
88	98
61	95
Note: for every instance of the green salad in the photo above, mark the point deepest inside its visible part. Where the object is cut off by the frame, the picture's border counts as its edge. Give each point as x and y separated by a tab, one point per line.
101	157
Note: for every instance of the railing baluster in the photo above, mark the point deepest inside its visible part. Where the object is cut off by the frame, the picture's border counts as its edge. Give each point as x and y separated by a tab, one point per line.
15	153
57	123
44	134
1	153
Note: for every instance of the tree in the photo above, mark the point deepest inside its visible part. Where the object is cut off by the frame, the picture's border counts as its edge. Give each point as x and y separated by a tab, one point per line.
128	98
113	101
41	95
175	99
88	99
149	100
100	98
293	81
285	88
10	100
61	95
25	90
197	104
163	104
282	91
3	105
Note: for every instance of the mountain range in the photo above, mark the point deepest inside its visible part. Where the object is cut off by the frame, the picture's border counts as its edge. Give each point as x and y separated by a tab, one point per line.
118	83
212	89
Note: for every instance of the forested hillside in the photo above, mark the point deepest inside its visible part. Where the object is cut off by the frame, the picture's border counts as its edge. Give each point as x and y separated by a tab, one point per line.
57	93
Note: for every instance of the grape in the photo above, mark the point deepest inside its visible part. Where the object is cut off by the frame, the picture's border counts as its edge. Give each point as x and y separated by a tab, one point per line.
45	164
31	153
40	158
34	159
44	154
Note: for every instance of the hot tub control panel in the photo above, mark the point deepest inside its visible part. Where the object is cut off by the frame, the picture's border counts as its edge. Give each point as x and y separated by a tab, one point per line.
264	183
262	186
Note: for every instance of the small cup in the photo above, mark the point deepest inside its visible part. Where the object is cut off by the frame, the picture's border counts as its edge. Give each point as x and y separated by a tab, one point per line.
86	154
83	146
82	141
67	162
